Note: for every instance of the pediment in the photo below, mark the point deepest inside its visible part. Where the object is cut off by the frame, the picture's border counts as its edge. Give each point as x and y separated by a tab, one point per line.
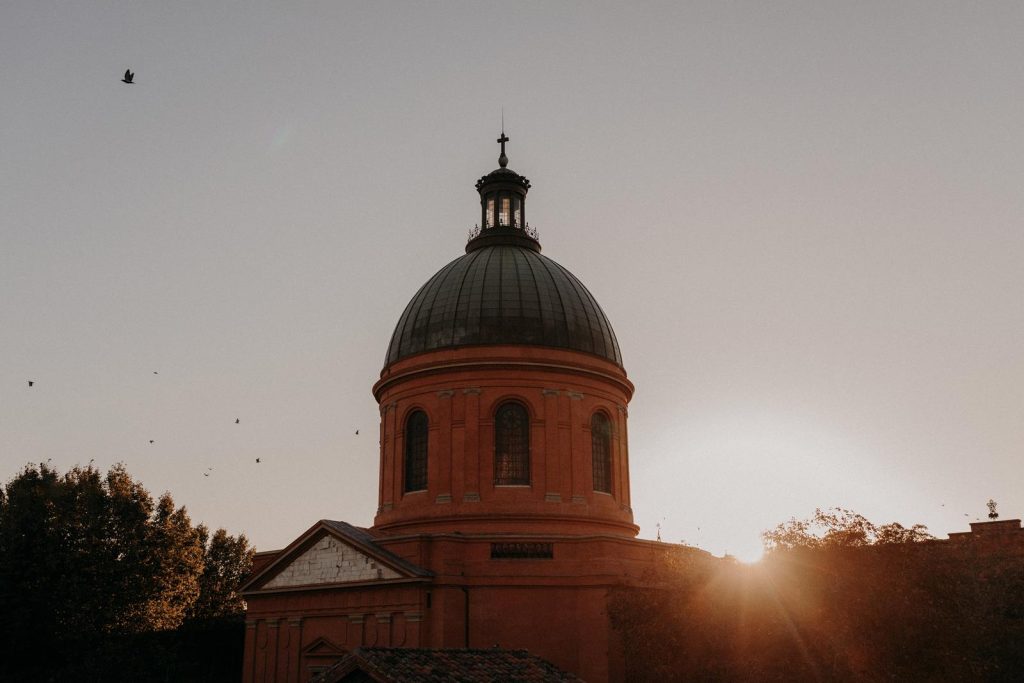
330	560
321	647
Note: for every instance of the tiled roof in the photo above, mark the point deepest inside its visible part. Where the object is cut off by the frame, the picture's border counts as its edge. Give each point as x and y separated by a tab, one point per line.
387	665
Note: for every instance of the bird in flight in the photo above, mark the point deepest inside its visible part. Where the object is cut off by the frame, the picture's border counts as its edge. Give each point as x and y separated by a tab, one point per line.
357	432
151	441
128	76
30	382
257	460
237	421
206	474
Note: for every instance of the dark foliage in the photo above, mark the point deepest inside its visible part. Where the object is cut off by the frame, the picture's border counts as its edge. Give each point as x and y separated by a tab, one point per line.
97	581
860	612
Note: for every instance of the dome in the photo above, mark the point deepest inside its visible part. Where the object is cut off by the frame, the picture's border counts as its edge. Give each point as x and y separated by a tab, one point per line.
503	291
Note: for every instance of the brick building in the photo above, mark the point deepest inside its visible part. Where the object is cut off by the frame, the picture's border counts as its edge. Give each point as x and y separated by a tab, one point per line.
504	506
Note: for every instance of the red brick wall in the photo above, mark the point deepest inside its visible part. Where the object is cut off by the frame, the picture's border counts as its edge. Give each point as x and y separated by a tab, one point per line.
460	390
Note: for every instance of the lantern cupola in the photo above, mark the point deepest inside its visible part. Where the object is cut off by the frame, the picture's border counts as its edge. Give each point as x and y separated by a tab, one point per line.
503	208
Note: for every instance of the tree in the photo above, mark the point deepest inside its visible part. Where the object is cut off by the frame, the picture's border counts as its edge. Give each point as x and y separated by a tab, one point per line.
87	558
839	528
227	560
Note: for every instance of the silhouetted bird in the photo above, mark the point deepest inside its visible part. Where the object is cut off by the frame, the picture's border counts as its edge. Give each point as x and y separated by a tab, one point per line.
155	372
151	440
237	420
128	76
257	459
206	474
30	382
357	432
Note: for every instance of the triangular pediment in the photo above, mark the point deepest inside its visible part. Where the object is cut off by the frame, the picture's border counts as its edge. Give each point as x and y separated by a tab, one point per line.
322	647
330	560
332	553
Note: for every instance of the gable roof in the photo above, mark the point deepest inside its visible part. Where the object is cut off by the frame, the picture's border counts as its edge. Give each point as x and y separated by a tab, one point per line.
358	539
387	665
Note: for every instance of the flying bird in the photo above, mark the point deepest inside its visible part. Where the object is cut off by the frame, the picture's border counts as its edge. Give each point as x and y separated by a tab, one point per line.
30	382
257	459
155	372
237	421
357	432
128	76
151	440
206	474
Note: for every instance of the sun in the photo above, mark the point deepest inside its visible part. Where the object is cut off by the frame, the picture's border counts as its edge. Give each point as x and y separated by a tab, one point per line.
749	554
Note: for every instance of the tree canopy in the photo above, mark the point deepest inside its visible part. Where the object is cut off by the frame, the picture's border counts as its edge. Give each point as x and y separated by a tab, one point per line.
87	555
839	528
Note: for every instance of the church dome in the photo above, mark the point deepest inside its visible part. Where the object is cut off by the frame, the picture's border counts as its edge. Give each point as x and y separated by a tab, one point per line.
502	291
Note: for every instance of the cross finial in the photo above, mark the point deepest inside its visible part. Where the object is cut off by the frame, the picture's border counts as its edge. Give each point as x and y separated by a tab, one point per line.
503	160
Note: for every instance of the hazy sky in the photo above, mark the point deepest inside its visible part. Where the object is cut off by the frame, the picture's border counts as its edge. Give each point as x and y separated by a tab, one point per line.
804	221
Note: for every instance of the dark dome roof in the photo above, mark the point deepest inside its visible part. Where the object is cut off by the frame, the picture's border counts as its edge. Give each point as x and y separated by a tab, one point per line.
503	294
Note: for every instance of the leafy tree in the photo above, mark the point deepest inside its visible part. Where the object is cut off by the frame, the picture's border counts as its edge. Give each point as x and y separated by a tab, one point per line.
227	560
89	561
839	528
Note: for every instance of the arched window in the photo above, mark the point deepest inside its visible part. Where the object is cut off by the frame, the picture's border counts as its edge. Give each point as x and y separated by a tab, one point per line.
416	451
511	445
601	452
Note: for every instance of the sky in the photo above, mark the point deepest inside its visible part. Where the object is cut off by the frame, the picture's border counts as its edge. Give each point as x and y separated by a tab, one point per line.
803	219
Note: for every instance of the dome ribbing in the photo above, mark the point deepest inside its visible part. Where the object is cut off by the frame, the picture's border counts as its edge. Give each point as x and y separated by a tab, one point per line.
503	294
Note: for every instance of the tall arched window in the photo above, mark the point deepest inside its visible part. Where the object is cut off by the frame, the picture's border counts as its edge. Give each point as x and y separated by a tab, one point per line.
511	445
601	452
416	451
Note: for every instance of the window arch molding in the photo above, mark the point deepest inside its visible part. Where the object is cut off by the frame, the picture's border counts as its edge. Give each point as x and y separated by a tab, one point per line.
415	447
512	419
601	434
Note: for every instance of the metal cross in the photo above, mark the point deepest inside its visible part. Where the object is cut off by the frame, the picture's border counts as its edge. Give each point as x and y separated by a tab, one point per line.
503	160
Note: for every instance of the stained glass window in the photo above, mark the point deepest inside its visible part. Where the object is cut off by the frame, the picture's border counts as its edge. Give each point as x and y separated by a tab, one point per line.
601	452
416	452
511	445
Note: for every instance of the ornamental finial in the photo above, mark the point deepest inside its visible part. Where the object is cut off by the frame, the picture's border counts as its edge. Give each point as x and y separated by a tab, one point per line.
503	160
